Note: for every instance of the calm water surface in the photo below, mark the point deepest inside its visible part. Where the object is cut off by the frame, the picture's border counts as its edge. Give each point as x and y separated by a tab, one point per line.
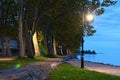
106	58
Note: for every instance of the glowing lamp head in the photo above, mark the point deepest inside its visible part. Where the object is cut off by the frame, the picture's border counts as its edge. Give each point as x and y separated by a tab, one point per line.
89	17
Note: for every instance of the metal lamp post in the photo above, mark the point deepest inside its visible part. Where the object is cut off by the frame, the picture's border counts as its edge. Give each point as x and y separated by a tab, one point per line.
89	18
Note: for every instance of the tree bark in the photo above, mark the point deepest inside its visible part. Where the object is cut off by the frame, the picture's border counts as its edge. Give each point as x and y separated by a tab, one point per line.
45	39
54	45
34	37
3	47
8	50
61	50
28	35
36	46
50	43
29	46
20	31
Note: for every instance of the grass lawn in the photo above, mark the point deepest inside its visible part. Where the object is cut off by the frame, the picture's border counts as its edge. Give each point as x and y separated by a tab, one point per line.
19	61
68	72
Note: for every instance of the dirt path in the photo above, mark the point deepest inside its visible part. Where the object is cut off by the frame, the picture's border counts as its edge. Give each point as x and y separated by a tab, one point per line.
100	67
7	58
35	71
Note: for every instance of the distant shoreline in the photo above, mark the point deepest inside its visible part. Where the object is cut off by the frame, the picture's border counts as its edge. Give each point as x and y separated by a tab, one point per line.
91	58
103	58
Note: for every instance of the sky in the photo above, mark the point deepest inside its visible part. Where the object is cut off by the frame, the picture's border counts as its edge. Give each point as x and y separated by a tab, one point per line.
107	37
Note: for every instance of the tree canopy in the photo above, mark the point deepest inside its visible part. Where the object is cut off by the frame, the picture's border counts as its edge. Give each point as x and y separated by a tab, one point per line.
58	21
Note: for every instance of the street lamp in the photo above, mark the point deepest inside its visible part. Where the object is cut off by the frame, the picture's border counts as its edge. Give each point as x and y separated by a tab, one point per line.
88	18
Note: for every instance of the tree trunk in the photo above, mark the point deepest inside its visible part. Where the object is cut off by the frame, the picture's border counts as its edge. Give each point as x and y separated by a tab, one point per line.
50	43
45	40
29	46
20	31
61	50
3	47
68	52
35	43
48	39
8	47
28	35
54	45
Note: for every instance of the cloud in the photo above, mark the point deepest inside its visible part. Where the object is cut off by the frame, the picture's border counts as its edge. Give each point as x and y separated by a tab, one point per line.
111	17
108	24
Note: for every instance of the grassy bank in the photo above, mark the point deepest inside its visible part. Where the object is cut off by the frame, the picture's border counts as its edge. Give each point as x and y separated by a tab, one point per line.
19	62
69	72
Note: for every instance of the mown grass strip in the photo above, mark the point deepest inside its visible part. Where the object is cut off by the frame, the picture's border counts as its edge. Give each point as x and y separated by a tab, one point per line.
68	72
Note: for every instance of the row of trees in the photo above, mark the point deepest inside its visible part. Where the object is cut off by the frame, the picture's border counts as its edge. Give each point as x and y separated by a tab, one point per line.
52	23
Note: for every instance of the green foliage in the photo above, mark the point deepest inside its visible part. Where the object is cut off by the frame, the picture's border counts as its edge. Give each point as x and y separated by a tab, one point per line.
69	36
67	26
40	36
62	18
69	72
42	49
8	9
107	3
89	30
40	58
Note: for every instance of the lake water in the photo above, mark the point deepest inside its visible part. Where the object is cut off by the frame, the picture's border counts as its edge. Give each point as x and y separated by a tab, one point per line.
106	58
108	52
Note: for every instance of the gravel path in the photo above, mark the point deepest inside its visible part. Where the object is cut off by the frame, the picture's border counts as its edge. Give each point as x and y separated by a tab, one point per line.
100	67
35	71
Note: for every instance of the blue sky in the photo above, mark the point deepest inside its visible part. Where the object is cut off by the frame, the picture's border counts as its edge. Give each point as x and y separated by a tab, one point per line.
107	37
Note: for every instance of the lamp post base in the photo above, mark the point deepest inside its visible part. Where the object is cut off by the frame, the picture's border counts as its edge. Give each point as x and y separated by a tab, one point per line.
82	62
